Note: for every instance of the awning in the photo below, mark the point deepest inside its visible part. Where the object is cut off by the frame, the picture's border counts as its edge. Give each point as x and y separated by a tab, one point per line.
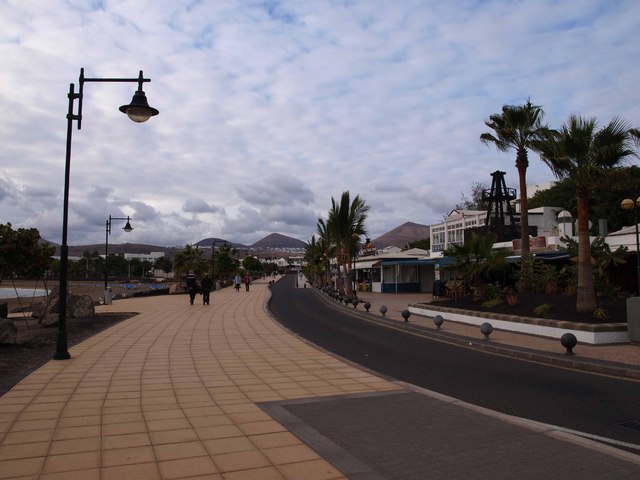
368	264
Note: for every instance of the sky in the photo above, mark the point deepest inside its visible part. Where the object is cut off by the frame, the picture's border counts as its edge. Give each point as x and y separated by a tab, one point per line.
269	109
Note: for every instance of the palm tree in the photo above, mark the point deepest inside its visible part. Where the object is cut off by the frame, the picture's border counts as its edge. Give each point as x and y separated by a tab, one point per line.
587	156
518	128
326	245
346	224
476	257
190	259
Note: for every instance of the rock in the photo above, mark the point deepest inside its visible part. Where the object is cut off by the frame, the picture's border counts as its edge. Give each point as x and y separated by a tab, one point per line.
77	306
80	306
8	332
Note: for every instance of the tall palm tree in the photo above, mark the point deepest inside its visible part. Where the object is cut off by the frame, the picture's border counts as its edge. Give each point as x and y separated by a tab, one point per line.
346	223
190	258
587	156
518	128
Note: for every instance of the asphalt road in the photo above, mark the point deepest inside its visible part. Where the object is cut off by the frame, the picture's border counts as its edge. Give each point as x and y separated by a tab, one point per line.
580	401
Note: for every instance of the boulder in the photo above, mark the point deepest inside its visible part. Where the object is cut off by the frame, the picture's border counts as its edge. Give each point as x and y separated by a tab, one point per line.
8	332
80	306
77	306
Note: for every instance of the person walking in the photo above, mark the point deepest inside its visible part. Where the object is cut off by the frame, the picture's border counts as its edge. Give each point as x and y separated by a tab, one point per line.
192	285
206	284
237	280
246	280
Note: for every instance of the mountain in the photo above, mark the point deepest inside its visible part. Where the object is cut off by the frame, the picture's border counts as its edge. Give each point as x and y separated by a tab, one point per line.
277	241
402	235
207	242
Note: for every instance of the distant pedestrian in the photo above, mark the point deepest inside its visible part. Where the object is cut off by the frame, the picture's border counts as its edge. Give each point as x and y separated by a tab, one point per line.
206	284
192	285
237	280
246	280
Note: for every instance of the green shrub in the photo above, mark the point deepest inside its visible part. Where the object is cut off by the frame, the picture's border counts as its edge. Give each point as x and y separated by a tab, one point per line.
492	303
543	309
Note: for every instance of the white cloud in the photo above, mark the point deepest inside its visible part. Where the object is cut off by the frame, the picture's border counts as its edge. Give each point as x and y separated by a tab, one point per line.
269	109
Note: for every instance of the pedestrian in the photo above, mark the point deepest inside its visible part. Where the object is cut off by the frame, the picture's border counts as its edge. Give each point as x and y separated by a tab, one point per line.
246	280
192	285
206	284
237	280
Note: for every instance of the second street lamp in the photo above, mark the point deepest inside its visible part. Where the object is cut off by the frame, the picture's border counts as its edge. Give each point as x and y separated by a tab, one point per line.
127	228
629	204
138	111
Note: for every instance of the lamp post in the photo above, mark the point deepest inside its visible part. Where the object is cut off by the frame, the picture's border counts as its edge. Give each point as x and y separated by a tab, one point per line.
127	228
629	204
139	111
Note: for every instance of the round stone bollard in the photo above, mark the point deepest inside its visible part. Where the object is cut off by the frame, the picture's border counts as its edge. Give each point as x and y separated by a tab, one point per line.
438	321
367	306
405	314
569	341
383	310
486	328
355	303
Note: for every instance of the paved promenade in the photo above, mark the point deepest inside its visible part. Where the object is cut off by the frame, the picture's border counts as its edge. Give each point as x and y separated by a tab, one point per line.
223	392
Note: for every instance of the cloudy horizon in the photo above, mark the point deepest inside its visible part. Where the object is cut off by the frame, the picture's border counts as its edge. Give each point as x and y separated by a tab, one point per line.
268	109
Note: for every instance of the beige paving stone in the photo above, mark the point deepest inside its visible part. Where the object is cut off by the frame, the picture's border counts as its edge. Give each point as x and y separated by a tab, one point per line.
184	468
173	451
90	474
290	454
169	424
266	473
210	421
124	428
29	436
84	421
244	460
77	432
312	470
137	471
128	456
80	412
72	461
274	440
23	450
228	445
173	436
76	445
255	428
12	469
122	418
126	441
41	424
218	431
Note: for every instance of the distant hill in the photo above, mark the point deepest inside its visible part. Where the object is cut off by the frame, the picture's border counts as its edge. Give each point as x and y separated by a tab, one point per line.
207	242
277	241
402	235
78	250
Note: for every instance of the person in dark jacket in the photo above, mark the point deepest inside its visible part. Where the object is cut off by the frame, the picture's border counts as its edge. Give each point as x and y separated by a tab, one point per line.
192	285
206	284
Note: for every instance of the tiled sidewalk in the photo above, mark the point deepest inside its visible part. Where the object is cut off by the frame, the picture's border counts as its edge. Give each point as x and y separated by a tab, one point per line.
172	393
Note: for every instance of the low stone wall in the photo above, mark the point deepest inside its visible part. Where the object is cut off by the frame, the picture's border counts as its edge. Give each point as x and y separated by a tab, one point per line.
596	334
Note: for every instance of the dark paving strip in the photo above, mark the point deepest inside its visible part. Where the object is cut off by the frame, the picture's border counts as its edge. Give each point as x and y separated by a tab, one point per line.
405	435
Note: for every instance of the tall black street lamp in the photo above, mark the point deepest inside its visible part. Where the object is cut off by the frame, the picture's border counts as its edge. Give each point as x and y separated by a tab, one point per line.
127	228
628	204
139	111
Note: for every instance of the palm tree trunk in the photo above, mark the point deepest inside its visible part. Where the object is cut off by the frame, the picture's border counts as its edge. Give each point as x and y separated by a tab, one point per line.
525	251
586	299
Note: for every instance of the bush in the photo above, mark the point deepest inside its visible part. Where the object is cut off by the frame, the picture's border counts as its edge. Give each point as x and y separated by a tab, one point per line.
494	302
543	309
512	299
600	314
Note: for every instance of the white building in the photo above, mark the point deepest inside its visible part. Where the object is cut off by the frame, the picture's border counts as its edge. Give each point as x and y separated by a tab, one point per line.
451	230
